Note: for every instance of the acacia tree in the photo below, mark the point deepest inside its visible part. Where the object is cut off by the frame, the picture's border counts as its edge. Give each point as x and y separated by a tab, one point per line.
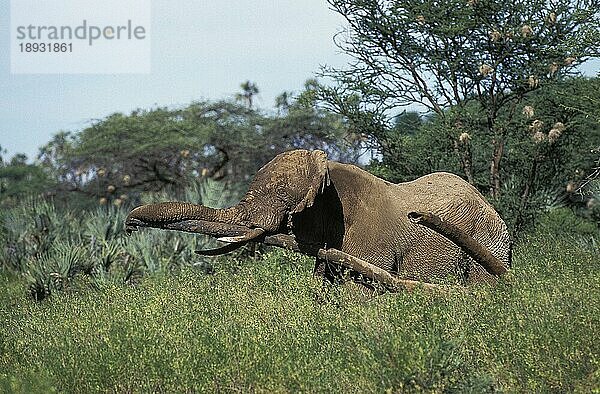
589	106
150	150
459	54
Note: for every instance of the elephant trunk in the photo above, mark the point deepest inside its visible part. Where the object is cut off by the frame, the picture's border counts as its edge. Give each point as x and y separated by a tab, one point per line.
169	212
230	224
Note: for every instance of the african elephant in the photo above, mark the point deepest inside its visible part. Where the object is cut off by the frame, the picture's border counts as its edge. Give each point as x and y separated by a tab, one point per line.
319	204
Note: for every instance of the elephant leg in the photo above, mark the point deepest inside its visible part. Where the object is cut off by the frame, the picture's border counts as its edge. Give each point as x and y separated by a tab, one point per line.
335	273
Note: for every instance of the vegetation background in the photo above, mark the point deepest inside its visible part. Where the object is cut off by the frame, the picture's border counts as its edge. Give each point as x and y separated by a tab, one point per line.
85	309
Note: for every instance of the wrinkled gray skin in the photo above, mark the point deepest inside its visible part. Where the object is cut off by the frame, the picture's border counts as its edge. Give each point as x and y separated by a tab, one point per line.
340	206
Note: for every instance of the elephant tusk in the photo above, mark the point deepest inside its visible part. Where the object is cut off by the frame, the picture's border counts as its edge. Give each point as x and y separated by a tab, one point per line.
222	250
250	235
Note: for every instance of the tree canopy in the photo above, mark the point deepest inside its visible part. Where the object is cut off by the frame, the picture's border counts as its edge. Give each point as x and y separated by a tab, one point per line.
456	58
150	150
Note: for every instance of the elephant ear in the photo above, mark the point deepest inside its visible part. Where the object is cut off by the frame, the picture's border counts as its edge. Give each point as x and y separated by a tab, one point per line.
317	177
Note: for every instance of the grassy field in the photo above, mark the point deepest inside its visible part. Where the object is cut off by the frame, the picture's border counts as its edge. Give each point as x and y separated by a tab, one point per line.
257	326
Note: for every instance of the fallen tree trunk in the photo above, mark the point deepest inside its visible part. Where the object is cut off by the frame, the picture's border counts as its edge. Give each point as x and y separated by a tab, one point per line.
367	269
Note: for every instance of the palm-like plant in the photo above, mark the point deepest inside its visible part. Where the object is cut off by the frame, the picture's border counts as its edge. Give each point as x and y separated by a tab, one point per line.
249	90
55	269
51	247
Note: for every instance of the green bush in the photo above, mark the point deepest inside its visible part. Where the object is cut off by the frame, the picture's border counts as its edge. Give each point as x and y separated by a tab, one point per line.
51	246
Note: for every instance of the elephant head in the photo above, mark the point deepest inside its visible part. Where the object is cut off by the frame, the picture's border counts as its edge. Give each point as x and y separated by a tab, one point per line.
286	185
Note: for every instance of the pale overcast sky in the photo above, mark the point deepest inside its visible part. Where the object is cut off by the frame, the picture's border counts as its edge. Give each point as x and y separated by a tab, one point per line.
200	50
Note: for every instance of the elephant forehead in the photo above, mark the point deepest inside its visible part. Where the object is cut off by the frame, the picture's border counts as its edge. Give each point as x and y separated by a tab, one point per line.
291	173
294	163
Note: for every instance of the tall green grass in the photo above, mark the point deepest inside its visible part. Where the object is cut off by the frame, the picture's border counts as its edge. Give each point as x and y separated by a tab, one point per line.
262	326
145	314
